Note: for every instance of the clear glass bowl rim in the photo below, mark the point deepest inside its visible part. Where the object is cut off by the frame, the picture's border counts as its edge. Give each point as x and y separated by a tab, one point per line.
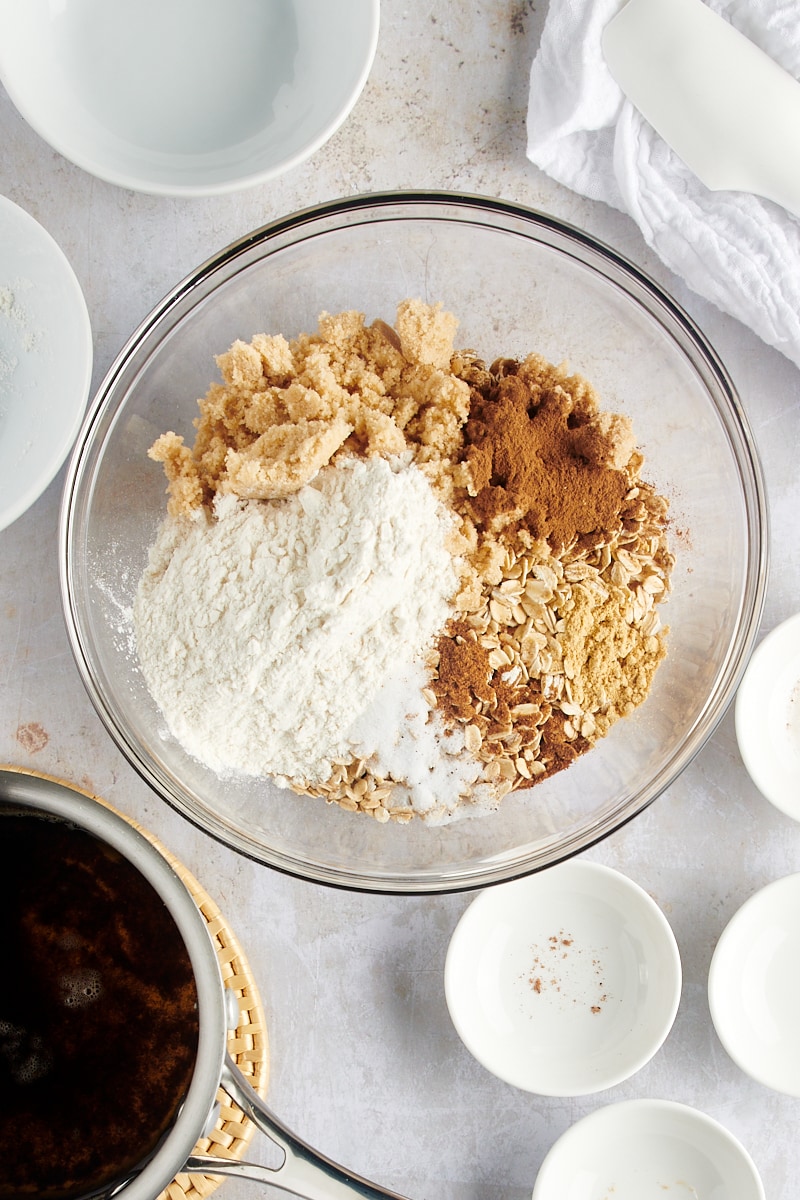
617	269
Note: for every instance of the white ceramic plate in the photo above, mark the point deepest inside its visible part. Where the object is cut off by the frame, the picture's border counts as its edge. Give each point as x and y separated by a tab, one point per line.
186	97
563	983
648	1150
768	717
45	360
754	986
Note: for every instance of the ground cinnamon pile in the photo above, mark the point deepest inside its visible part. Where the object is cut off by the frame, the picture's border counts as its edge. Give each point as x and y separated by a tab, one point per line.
541	457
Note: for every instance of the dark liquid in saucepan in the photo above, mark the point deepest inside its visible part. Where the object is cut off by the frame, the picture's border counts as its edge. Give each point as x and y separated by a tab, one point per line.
98	1011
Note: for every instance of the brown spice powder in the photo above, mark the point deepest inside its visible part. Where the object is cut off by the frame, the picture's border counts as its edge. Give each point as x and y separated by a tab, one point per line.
465	676
540	460
464	672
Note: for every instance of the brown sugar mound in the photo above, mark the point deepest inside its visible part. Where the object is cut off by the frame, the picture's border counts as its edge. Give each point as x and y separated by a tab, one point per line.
284	409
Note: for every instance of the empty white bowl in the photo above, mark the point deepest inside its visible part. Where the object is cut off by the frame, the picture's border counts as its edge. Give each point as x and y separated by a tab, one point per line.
754	986
563	983
45	360
648	1150
768	717
186	97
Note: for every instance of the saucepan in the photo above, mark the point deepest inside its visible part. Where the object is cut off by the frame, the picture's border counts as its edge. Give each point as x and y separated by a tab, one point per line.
304	1171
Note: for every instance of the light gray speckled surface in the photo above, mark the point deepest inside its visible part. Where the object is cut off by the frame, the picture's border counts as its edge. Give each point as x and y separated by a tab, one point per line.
365	1063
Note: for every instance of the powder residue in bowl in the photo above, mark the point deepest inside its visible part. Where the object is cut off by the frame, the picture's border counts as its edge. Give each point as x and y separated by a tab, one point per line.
479	609
565	973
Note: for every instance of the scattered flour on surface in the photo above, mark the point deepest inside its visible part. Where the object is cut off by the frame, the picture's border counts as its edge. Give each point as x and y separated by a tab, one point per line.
8	365
8	360
16	337
266	633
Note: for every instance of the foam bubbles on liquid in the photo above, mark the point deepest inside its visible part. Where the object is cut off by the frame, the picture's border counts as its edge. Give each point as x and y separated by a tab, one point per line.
26	1055
80	988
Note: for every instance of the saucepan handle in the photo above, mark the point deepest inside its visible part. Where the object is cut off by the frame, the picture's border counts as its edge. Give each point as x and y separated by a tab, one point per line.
304	1171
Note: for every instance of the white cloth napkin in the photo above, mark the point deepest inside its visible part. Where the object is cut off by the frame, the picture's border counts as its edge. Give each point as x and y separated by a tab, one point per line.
738	251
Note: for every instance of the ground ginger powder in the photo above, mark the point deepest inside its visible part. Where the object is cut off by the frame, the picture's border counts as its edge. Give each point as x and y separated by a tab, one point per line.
609	665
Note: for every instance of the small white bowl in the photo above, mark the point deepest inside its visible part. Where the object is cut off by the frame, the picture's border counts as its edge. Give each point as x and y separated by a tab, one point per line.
563	983
647	1150
45	360
768	717
186	97
754	986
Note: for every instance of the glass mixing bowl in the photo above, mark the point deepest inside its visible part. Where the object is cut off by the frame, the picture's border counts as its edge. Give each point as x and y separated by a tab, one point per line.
518	282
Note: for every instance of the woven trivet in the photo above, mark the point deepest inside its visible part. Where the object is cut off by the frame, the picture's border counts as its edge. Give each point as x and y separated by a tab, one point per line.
248	1044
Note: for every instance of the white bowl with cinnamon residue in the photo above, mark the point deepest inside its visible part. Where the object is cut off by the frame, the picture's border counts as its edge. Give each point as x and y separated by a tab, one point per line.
565	983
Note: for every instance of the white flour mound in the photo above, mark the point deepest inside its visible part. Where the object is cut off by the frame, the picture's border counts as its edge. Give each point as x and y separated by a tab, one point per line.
265	634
